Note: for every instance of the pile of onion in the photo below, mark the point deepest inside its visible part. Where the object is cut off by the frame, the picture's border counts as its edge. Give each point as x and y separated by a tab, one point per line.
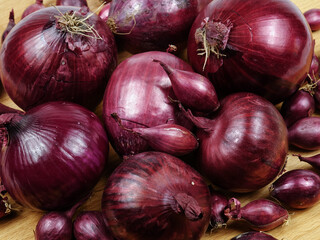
58	53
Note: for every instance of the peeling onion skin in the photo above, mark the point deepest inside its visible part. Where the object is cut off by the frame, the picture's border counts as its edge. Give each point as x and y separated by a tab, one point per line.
313	18
55	155
139	200
305	133
75	3
63	68
245	144
253	236
298	188
138	91
249	64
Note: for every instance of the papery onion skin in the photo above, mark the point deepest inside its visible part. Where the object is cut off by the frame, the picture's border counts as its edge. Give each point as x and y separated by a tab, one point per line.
55	155
148	25
268	47
75	3
298	188
32	8
253	236
138	92
139	199
10	25
313	18
245	145
51	65
5	206
219	203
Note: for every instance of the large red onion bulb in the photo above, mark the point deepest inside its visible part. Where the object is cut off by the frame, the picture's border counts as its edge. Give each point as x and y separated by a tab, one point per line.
256	46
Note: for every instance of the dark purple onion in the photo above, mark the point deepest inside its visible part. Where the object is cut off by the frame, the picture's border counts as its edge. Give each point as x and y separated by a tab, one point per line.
67	67
55	155
138	92
32	8
313	160
261	214
297	106
298	188
258	46
146	25
317	94
305	133
153	196
252	235
90	225
193	90
315	65
219	203
5	206
244	146
75	3
313	18
10	25
104	12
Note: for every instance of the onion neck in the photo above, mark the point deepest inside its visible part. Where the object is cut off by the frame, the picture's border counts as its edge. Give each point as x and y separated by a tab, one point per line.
187	205
6	121
233	209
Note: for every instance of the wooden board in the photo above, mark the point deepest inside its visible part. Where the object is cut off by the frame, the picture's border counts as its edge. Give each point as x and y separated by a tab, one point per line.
303	224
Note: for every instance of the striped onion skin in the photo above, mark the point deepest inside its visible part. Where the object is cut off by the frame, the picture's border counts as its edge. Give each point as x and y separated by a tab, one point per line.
139	200
55	154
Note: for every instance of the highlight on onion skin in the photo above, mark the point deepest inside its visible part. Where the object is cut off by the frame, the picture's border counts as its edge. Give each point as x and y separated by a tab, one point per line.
253	235
75	3
53	155
138	92
260	214
314	68
314	160
244	146
65	67
305	133
233	65
32	8
104	12
313	18
298	188
154	195
10	25
91	225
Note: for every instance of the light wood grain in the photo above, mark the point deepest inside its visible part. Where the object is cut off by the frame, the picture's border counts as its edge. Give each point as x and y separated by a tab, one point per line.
303	224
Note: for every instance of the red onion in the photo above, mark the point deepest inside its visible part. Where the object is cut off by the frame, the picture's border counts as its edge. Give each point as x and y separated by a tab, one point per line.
32	8
261	214
258	46
252	235
313	18
298	188
297	106
5	206
154	195
90	225
53	154
151	24
169	138
313	160
10	25
305	133
138	92
75	3
104	12
244	146
314	68
192	89
41	62
219	202
317	94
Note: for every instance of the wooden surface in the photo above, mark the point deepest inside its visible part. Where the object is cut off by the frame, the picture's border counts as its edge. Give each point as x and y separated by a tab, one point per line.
303	224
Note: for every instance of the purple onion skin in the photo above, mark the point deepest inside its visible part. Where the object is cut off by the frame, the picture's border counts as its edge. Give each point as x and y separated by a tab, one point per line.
75	3
305	133
56	155
313	18
314	161
65	68
297	106
193	90
261	214
156	196
104	12
252	67
244	146
32	8
315	65
317	96
299	188
219	203
252	235
148	25
91	225
138	91
10	25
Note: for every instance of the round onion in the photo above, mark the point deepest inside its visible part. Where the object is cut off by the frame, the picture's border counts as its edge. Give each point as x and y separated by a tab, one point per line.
256	46
53	155
40	61
244	147
138	92
153	196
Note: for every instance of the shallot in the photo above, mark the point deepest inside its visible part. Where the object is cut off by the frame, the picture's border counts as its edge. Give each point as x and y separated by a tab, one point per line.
313	18
313	160
253	235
